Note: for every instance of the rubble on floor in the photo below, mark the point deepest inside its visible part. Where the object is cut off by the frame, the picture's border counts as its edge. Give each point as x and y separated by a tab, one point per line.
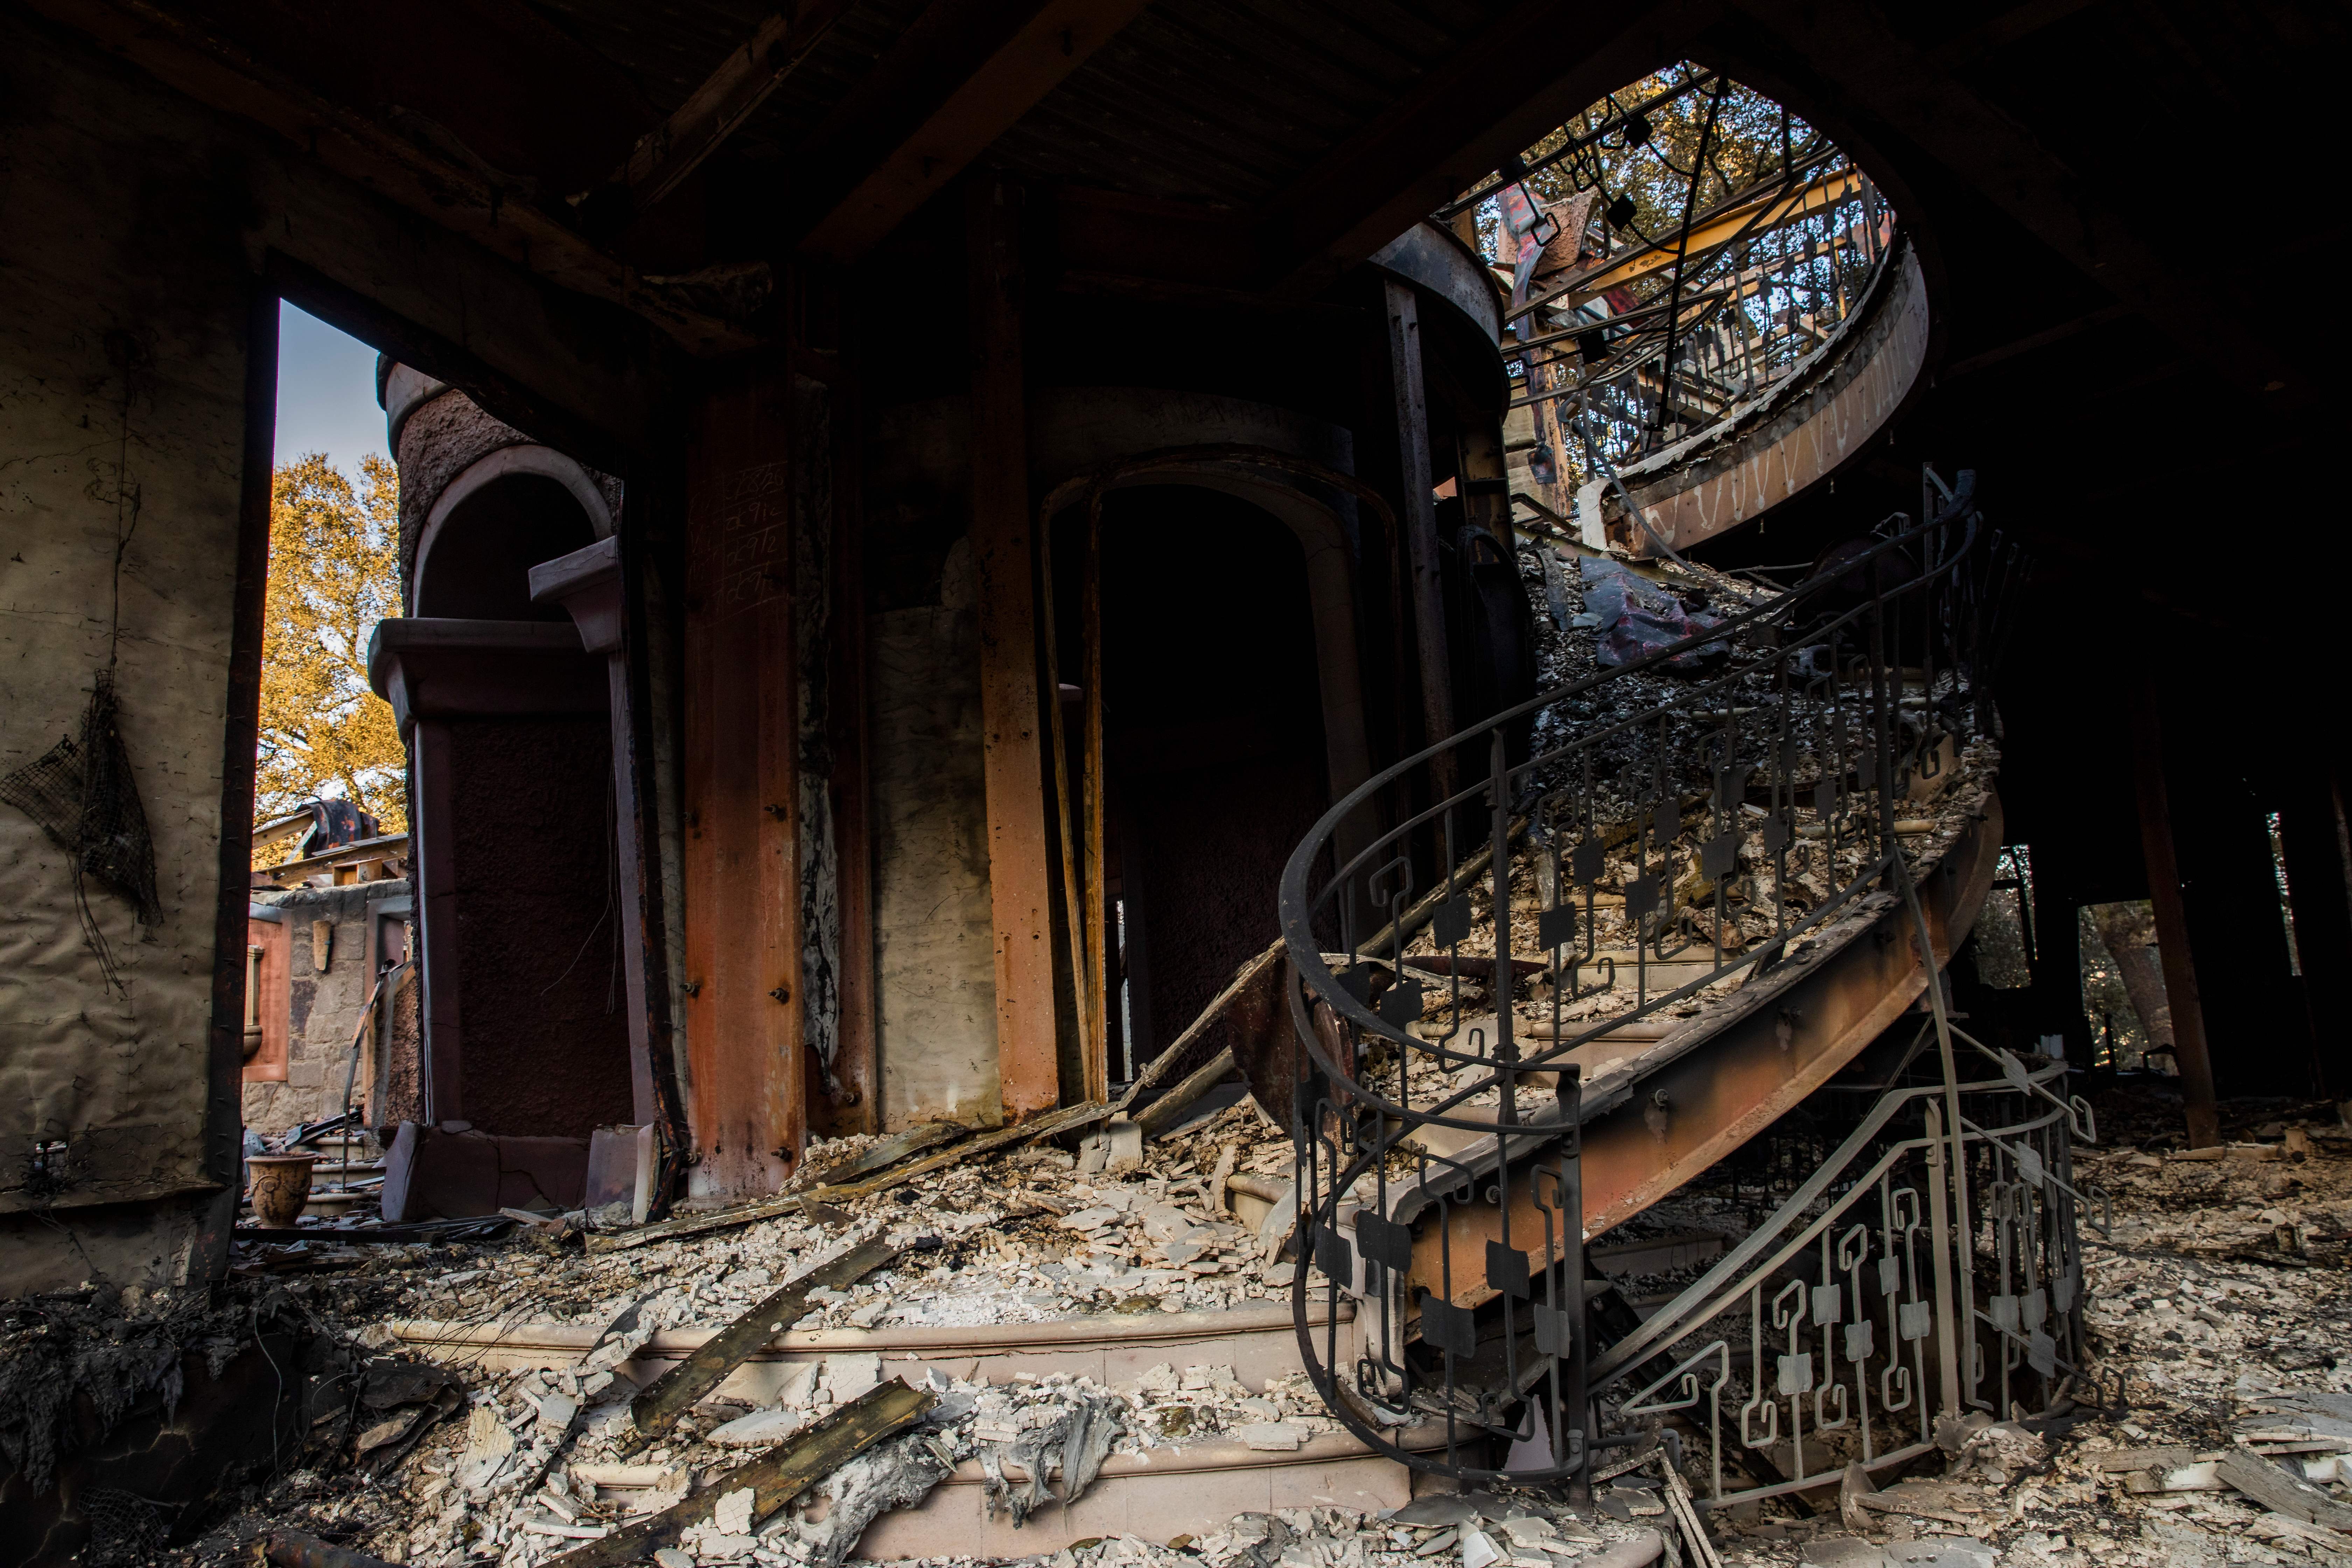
2216	1311
2216	1307
1025	1238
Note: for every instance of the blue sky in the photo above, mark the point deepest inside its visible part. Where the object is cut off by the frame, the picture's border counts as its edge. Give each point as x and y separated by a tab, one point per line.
326	394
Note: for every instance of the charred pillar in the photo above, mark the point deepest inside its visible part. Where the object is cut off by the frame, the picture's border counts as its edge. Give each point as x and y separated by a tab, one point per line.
1004	552
748	1096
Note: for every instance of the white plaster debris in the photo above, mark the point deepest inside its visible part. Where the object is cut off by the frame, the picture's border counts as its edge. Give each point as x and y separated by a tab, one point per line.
2219	1303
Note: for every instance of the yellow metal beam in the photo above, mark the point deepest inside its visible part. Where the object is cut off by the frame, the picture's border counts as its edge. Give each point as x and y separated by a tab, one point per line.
1758	215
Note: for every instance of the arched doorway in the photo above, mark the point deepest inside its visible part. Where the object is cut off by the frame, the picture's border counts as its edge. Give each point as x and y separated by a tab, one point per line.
527	1026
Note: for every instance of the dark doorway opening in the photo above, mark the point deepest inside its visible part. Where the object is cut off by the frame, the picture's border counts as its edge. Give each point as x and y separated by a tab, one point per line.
1214	761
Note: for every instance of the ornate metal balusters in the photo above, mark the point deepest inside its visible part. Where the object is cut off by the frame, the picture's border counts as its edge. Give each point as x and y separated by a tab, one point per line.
1687	1374
1827	1314
1860	1338
1504	981
1913	1320
1795	1365
1756	1365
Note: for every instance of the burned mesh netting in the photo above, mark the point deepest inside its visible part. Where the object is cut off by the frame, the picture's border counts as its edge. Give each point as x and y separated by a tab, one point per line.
86	799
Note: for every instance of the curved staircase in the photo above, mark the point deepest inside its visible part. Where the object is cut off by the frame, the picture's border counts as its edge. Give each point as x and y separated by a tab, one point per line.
1826	752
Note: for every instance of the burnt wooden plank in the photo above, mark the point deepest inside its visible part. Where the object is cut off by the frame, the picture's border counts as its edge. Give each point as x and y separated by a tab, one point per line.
890	1152
2272	1488
675	1391
776	1478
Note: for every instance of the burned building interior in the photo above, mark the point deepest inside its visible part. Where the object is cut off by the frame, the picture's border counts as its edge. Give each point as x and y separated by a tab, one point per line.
1237	782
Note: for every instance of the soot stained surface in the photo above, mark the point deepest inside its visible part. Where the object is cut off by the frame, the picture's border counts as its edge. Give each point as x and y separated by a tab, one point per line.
546	1026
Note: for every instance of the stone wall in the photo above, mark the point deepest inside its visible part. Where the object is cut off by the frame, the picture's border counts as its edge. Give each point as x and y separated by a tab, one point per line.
326	1004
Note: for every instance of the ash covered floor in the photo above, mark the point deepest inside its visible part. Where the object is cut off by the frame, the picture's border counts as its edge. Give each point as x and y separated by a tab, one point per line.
2218	1308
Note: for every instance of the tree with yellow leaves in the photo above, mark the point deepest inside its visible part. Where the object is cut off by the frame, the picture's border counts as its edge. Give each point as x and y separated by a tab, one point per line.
334	572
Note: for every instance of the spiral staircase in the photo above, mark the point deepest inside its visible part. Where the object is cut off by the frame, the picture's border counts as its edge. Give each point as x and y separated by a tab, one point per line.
1614	839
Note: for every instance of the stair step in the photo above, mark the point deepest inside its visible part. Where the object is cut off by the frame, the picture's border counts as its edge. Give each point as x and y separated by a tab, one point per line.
1257	1342
1156	1496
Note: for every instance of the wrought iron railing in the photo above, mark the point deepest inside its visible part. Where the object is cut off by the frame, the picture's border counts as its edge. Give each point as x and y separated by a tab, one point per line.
1781	739
1846	1309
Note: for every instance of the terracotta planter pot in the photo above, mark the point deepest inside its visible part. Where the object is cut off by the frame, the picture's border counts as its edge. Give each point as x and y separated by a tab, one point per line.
281	1185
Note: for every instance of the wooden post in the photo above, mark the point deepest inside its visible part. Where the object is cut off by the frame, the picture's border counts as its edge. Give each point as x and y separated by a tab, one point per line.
1418	518
2172	921
1004	554
748	1103
1094	1005
855	1062
1068	815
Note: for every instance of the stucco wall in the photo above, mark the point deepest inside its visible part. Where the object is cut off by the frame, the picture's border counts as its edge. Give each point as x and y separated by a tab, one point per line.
934	959
123	321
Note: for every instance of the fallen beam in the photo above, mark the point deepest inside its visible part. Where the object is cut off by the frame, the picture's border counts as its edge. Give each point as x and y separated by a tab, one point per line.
776	1478
1028	1131
2272	1488
1164	1114
697	1225
1162	1064
888	1153
677	1391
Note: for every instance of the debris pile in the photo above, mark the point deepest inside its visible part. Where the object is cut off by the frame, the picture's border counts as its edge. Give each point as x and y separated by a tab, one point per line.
2218	1426
1023	1238
2220	1423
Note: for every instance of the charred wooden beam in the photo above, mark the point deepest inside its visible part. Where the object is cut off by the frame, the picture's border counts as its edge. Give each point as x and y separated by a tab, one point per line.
775	1478
1005	554
661	1402
665	155
421	165
1053	40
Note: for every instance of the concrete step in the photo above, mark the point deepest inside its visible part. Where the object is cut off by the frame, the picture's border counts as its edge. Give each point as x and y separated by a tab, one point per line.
1257	1342
1158	1494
